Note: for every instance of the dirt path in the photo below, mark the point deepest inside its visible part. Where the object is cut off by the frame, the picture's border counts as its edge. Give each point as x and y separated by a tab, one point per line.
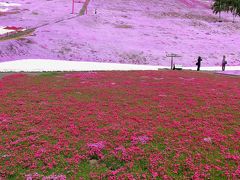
29	31
17	35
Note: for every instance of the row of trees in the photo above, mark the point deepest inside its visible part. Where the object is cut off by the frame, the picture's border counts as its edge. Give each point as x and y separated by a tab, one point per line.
232	6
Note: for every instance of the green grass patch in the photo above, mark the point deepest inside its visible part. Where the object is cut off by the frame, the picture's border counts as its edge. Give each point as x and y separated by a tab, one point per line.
113	163
48	74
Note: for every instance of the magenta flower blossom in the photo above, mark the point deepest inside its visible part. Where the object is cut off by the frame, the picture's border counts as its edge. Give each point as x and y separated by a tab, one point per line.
40	152
140	139
3	118
87	75
54	177
96	149
115	172
208	140
32	176
99	145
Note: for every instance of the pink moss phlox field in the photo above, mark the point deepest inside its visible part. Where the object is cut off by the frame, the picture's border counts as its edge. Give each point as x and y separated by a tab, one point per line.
51	177
129	32
80	75
120	125
194	3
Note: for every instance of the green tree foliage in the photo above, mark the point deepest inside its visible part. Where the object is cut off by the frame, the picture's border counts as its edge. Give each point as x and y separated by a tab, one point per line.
232	6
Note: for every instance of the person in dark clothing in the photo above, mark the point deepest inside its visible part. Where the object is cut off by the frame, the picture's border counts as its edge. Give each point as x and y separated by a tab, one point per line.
199	63
224	62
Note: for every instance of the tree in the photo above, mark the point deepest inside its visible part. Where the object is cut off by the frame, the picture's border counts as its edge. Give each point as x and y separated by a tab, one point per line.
218	7
232	6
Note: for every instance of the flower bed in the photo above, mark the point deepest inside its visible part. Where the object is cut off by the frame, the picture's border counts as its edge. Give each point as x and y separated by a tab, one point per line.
10	30
120	125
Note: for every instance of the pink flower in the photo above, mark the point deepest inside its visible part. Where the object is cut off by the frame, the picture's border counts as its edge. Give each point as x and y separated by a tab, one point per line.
208	140
40	152
54	177
32	176
115	172
140	139
96	148
237	172
99	145
154	174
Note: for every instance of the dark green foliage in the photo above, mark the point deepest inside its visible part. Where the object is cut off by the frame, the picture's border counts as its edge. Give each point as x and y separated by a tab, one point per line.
232	6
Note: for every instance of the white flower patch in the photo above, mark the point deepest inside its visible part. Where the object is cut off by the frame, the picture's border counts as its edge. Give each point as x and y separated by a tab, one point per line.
8	4
4	9
4	31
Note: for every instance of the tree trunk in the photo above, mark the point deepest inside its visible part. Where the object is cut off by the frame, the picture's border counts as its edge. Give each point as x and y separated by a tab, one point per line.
234	17
219	17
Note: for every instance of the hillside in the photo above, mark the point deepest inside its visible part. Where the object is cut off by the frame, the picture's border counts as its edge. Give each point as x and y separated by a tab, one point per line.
125	31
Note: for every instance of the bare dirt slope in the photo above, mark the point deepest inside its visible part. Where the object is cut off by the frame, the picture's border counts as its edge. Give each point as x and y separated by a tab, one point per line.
126	31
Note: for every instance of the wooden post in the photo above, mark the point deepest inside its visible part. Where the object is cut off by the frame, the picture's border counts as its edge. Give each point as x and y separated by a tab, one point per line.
172	56
72	6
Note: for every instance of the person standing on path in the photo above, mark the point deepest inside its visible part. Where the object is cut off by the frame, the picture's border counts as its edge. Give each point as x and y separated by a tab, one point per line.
199	63
224	62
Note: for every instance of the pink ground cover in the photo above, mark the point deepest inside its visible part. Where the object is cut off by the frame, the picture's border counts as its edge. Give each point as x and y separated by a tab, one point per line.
135	32
229	72
188	3
81	75
194	3
120	125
